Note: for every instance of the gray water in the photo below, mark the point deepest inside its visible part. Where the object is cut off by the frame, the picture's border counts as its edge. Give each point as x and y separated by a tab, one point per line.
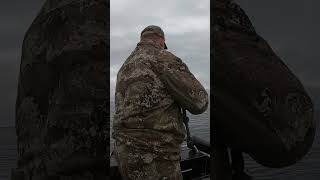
307	169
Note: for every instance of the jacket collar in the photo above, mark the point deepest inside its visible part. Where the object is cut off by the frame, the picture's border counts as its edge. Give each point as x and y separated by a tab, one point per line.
148	43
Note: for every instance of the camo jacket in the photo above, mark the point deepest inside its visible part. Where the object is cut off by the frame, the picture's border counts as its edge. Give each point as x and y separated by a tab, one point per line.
251	77
152	87
61	114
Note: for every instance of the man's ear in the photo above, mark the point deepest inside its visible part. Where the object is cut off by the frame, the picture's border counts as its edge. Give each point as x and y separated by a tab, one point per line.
163	42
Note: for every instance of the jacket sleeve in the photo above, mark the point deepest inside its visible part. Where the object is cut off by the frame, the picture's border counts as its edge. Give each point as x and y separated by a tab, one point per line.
186	90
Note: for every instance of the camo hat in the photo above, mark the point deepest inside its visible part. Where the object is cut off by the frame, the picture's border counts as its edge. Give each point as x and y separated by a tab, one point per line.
152	29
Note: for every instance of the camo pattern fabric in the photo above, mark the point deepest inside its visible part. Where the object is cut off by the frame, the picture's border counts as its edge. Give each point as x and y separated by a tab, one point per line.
135	165
247	68
152	87
62	120
230	16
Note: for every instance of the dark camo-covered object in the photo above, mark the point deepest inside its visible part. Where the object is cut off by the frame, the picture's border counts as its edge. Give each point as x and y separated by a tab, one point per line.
251	78
152	87
137	165
61	115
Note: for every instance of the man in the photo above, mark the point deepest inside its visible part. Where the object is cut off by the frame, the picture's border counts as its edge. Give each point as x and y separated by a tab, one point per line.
152	87
260	107
61	114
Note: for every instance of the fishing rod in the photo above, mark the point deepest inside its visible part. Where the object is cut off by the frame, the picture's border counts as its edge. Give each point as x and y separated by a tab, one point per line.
190	143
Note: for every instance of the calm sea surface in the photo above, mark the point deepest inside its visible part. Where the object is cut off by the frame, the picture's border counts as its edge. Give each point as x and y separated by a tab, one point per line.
307	169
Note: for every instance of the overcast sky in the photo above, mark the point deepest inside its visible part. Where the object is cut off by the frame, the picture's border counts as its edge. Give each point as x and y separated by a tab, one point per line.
291	28
186	24
15	17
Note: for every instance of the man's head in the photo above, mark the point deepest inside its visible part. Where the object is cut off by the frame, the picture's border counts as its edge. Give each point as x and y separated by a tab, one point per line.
155	34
